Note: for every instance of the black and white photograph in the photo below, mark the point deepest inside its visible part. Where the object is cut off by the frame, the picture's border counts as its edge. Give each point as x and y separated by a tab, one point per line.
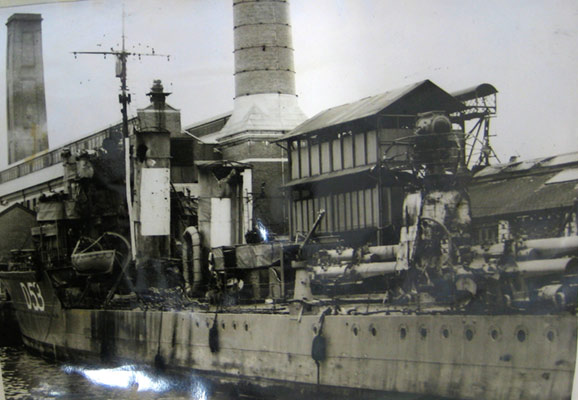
288	199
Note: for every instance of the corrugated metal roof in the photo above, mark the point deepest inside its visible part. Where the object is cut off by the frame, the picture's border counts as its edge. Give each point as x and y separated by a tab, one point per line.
528	165
489	170
373	105
48	174
519	194
482	90
561	159
521	166
566	175
207	121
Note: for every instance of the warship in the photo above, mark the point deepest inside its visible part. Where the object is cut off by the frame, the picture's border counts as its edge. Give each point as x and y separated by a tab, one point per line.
385	282
118	272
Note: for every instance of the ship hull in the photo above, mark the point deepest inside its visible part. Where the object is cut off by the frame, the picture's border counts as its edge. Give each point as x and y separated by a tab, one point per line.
461	356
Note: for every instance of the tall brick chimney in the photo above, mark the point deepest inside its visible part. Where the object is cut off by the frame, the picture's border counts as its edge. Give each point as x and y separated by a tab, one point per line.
265	99
26	104
265	103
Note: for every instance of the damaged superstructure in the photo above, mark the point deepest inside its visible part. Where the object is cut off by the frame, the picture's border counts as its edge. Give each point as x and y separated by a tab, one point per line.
149	245
126	267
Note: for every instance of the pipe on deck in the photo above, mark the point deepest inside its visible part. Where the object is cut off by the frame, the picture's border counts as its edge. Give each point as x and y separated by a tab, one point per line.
364	270
554	247
381	253
373	254
547	266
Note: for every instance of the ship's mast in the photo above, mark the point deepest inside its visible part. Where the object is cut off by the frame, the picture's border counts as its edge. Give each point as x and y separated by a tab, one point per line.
125	99
121	71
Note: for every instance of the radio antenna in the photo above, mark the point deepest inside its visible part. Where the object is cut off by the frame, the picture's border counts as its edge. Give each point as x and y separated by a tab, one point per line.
124	99
121	71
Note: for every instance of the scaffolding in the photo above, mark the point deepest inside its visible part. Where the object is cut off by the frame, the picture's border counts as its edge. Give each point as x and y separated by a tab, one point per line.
480	107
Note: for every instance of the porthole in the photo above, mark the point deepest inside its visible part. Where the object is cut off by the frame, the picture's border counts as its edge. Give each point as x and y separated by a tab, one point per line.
246	327
521	334
197	323
469	333
223	325
423	332
314	329
372	330
355	330
550	333
445	332
403	331
495	333
234	325
207	323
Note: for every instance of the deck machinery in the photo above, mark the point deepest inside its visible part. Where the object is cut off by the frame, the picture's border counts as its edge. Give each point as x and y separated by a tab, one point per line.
432	314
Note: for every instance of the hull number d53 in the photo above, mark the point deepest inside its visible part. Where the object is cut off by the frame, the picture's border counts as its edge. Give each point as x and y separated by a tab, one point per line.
33	296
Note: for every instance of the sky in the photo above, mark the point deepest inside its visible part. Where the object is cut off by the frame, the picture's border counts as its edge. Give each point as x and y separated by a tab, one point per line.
344	50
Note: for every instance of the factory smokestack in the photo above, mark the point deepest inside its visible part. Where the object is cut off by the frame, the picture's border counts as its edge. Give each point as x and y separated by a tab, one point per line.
26	104
265	99
265	104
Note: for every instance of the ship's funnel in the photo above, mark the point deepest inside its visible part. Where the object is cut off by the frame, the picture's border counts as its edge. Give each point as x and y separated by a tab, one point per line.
265	99
26	104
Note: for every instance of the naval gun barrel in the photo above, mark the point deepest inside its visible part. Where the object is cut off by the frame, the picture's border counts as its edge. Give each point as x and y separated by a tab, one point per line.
547	266
364	270
312	230
553	247
366	255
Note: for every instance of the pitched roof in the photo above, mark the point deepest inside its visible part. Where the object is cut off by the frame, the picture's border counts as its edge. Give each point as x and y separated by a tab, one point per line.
526	186
16	206
410	100
528	166
521	195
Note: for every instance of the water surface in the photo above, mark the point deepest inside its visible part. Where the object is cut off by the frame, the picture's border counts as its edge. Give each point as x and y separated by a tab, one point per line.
30	377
